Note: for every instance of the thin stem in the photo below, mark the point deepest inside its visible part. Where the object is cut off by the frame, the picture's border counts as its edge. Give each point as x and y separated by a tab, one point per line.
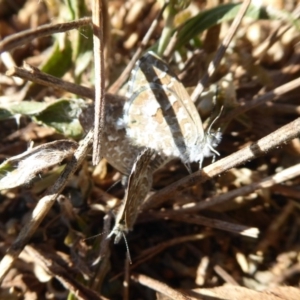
125	74
19	39
97	7
221	51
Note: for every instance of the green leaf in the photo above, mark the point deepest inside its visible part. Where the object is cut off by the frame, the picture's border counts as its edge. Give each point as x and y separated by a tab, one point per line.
58	63
28	108
211	17
81	39
62	114
222	13
61	59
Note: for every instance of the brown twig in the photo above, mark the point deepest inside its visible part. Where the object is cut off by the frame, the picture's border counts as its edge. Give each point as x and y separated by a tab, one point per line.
267	182
212	223
261	99
160	287
151	252
275	139
35	75
104	256
97	7
170	48
221	51
286	191
274	227
126	280
280	108
277	32
63	273
225	275
26	36
286	274
123	77
43	206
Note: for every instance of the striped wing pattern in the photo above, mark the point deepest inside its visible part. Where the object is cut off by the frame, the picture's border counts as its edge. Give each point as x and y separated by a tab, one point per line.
159	112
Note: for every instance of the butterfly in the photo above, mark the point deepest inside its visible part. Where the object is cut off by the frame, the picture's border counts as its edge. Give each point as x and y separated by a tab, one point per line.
138	185
159	113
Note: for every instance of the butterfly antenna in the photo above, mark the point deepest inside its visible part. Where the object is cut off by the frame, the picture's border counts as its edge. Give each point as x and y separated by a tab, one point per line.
188	167
127	247
113	185
93	236
215	119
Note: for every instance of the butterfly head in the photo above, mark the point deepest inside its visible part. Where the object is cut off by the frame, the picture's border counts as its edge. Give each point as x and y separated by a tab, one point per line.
119	231
205	148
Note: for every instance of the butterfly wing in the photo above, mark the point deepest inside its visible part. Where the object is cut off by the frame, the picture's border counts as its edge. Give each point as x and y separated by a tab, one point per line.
160	110
139	184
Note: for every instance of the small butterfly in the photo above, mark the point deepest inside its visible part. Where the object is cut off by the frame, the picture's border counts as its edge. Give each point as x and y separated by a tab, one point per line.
159	113
138	185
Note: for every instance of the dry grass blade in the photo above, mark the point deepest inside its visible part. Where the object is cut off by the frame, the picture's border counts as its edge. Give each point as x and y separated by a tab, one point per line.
267	182
212	223
261	99
221	51
33	74
26	36
104	256
51	263
97	8
274	227
228	292
160	287
155	250
125	74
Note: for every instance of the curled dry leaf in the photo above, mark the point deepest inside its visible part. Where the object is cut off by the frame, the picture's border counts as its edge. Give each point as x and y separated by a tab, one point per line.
22	168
